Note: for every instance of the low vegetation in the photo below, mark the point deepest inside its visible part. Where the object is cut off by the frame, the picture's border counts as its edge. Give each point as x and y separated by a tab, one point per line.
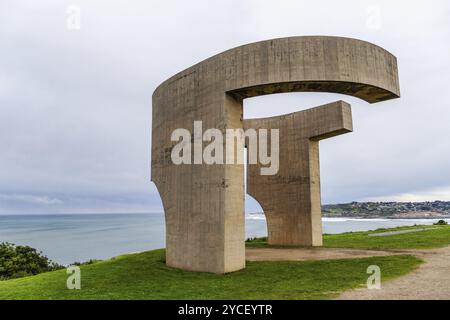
433	237
22	261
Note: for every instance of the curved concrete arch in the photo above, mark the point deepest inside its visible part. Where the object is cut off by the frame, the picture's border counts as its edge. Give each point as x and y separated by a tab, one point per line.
205	204
294	215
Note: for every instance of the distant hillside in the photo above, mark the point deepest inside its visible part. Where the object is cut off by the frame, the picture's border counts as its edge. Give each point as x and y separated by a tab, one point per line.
436	209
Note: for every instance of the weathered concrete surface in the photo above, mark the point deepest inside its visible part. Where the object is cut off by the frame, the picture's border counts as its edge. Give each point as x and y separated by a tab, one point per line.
291	198
204	205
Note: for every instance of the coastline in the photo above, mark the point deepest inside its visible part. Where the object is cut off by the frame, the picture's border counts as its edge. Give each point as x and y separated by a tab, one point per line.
398	216
393	217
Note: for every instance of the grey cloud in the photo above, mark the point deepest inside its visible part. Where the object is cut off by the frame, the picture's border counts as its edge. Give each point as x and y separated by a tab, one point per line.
75	107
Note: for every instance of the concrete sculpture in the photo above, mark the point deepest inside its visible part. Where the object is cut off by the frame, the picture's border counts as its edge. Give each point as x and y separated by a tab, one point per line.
204	204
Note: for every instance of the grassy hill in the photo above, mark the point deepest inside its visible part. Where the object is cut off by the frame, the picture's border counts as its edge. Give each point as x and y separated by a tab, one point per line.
145	276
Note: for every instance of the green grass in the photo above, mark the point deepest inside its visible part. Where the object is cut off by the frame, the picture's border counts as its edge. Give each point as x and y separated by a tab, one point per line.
145	276
436	237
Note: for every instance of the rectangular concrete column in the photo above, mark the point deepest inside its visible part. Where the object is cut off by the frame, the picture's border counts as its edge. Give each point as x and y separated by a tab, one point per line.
234	210
315	202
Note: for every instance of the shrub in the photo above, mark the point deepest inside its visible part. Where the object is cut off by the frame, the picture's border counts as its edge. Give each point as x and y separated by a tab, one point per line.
91	261
255	239
441	223
22	261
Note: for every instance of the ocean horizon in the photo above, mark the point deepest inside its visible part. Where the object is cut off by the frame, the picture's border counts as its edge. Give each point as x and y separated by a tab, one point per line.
69	238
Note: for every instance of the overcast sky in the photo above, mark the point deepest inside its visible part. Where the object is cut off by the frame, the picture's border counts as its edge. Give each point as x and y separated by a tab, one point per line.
75	105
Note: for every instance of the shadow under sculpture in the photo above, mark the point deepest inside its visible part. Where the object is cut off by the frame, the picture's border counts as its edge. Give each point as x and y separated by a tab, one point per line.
204	204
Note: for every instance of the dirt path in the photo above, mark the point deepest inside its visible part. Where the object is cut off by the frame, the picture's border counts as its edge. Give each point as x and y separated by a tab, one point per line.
431	281
301	254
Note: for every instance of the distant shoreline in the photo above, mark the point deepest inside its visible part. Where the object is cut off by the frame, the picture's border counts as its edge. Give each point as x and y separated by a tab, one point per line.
389	210
345	215
389	217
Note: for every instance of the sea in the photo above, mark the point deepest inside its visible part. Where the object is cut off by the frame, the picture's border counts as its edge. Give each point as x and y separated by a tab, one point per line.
69	238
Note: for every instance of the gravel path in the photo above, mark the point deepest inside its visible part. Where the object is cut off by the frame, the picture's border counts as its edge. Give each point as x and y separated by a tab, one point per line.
431	281
392	233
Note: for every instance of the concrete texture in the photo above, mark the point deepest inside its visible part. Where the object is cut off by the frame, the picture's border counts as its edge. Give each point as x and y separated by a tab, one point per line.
291	198
204	204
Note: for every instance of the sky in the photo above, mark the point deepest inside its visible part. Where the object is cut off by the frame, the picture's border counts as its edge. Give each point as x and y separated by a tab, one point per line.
75	99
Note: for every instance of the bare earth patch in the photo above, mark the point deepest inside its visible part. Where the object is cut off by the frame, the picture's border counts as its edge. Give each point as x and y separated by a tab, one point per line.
393	233
302	254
